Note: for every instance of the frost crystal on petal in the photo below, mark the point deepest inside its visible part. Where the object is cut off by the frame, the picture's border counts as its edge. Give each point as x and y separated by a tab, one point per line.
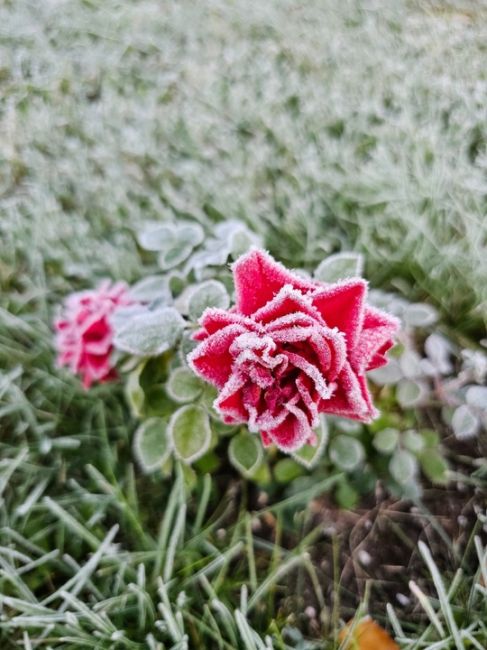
290	349
84	332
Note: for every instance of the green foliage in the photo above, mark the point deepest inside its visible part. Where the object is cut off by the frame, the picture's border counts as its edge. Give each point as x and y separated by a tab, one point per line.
310	455
183	385
386	440
151	444
455	611
208	294
346	452
340	266
190	433
245	453
173	242
403	466
339	141
151	333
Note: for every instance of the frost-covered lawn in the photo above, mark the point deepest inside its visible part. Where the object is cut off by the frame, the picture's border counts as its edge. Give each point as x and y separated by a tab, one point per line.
324	126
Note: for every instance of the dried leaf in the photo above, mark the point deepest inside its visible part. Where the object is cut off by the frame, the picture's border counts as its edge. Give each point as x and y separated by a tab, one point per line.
367	635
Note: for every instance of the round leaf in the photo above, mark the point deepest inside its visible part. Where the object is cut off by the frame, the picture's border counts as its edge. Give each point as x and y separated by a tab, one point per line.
413	441
346	495
184	386
434	466
151	288
151	447
150	334
179	245
410	363
340	266
403	466
439	350
391	373
309	455
208	294
155	236
476	397
386	440
465	423
286	470
174	242
346	452
420	314
245	453
409	393
189	430
123	315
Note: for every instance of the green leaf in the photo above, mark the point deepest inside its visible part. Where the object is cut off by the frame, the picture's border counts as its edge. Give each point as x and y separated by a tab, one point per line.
350	427
409	393
434	466
386	440
465	423
179	246
134	393
420	314
151	333
389	374
262	475
286	470
430	437
340	266
173	242
184	386
403	466
189	430
208	463
151	288
208	294
190	477
476	397
346	452
241	240
157	402
413	441
151	447
309	455
346	495
155	370
245	453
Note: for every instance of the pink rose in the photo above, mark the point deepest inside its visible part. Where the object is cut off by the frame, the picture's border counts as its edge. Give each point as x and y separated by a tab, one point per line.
290	349
84	334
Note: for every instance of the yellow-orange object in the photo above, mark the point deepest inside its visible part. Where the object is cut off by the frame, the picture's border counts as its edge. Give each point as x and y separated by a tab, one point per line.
368	635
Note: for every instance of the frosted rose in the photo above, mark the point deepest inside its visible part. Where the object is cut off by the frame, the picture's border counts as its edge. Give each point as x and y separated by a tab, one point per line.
290	349
84	334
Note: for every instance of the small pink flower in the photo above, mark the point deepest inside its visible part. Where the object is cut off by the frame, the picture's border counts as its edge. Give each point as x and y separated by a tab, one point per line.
84	334
290	349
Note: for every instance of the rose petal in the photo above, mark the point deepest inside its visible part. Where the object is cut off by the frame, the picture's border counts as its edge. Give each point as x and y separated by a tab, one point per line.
375	339
351	398
214	319
292	433
287	301
258	278
230	400
212	359
342	306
